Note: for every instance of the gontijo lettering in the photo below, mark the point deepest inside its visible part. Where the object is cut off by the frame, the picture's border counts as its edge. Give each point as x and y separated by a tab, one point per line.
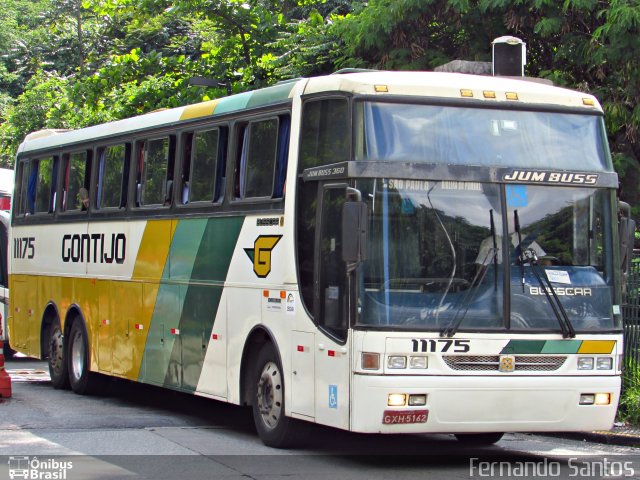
94	248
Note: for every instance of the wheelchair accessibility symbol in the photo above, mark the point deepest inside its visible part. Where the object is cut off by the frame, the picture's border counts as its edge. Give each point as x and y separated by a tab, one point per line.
333	396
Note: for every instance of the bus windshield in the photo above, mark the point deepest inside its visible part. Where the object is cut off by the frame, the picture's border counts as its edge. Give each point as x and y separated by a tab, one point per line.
475	136
438	256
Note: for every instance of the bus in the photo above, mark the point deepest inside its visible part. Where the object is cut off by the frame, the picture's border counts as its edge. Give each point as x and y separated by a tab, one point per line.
380	252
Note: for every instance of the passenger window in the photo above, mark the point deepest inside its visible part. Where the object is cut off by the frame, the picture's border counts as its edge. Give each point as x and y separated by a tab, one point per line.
76	181
43	190
155	182
202	178
26	203
255	175
112	178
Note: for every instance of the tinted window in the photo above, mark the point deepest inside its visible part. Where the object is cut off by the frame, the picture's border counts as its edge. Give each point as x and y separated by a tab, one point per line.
154	189
75	190
43	191
204	154
26	203
257	159
111	176
324	139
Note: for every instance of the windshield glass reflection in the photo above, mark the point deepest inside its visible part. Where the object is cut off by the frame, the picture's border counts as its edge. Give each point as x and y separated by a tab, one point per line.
475	136
437	253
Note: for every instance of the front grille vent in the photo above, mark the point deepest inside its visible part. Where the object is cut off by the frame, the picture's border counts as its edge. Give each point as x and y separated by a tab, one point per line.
491	363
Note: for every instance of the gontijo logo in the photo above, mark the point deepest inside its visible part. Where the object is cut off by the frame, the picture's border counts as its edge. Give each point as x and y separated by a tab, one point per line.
260	254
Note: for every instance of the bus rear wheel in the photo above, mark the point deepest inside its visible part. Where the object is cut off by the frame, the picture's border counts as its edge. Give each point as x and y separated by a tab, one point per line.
479	439
274	428
82	380
57	359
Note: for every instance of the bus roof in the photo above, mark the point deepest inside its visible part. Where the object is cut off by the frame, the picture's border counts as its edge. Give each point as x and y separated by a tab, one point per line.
455	86
495	90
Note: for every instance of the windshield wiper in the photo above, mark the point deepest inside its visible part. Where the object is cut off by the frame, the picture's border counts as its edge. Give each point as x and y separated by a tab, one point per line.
491	257
451	329
529	256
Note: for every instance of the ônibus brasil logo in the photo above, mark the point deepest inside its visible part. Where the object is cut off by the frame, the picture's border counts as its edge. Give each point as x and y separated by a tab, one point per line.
32	468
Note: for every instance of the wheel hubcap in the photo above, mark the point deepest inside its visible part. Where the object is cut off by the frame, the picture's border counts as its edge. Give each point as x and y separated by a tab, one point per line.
56	357
77	356
269	395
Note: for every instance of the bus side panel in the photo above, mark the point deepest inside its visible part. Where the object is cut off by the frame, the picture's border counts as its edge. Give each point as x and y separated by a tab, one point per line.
202	297
21	326
102	338
188	299
214	382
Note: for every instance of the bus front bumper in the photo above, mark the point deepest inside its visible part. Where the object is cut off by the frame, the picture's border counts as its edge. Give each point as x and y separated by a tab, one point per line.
459	404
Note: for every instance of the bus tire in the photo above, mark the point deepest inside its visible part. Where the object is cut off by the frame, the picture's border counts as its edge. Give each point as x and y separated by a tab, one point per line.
57	359
7	351
82	380
479	439
274	428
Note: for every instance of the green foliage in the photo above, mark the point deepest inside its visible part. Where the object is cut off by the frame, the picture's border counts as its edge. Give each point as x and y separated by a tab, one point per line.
629	407
32	111
72	63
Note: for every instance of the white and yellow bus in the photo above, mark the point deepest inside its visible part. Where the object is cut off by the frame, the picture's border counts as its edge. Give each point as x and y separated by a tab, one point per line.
384	252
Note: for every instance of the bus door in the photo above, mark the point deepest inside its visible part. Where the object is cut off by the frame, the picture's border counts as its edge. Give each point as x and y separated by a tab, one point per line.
332	362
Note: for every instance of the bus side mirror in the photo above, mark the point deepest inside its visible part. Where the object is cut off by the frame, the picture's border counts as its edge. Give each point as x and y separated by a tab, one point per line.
354	232
626	230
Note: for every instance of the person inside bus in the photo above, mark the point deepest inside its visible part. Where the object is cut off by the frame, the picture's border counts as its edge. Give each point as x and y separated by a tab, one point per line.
83	196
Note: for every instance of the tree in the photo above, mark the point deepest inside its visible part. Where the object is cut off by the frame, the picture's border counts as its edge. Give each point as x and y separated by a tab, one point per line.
581	44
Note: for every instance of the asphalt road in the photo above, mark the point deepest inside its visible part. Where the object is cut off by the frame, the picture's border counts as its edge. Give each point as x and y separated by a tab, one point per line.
137	431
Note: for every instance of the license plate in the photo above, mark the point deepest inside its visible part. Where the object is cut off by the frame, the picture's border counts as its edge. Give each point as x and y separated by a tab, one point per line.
391	417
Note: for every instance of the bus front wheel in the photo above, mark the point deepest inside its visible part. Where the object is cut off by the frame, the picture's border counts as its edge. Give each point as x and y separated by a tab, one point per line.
274	428
57	360
479	439
82	380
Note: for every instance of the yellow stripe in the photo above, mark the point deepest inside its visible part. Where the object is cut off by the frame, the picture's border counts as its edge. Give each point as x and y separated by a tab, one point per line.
597	346
203	109
154	250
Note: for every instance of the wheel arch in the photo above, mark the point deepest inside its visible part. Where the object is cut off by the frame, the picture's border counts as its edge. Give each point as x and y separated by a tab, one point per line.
257	338
50	316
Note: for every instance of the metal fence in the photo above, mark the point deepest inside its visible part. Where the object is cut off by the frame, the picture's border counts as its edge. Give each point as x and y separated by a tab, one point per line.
631	314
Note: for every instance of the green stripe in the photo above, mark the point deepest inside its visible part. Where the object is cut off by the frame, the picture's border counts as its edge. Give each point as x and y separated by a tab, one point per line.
523	346
541	346
258	98
169	303
562	346
268	96
201	300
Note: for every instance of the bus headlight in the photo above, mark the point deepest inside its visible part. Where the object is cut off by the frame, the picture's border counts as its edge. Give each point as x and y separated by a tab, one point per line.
418	362
397	399
417	400
585	363
595	399
397	362
587	399
604	363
